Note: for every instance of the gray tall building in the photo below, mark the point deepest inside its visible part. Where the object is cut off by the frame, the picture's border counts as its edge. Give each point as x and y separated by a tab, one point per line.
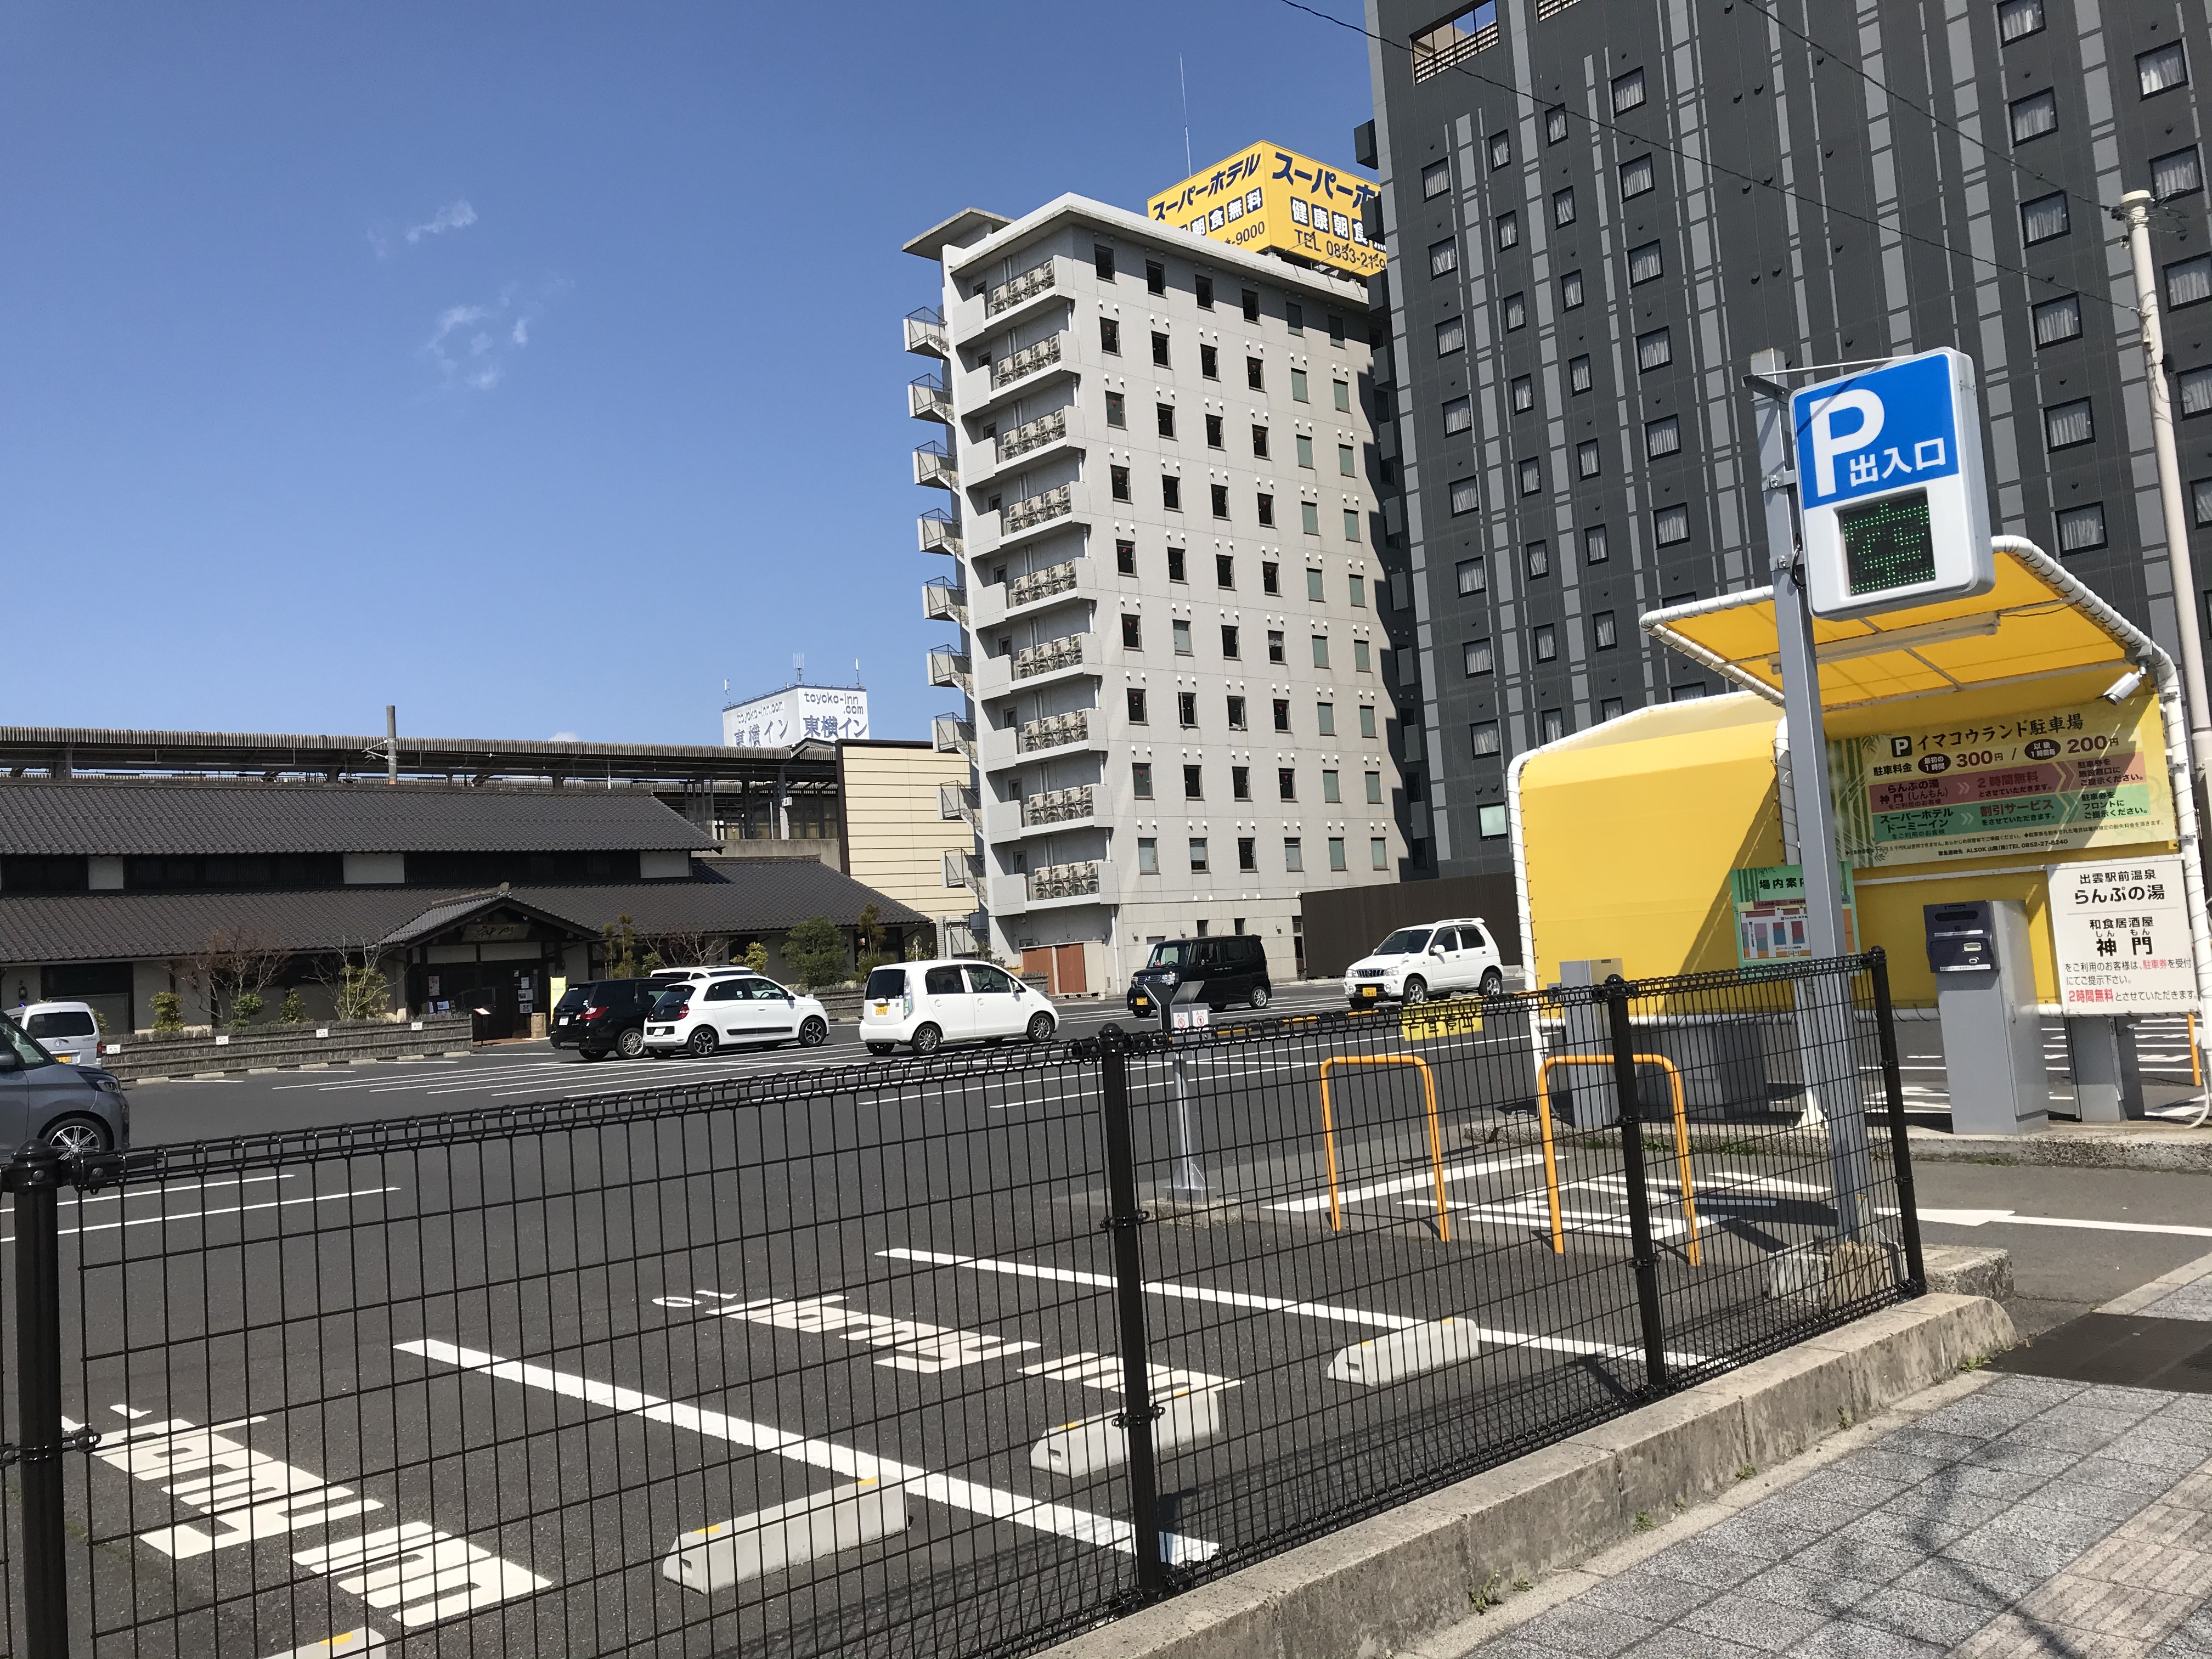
1598	209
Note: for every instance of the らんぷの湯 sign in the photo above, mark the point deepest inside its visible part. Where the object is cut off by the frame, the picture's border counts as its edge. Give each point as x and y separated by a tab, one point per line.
2037	780
2119	933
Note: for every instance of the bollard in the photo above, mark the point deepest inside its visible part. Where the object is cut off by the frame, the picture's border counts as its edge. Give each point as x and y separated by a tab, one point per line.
35	1177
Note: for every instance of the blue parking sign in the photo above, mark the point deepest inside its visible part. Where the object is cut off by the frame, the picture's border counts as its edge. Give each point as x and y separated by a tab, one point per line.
1889	480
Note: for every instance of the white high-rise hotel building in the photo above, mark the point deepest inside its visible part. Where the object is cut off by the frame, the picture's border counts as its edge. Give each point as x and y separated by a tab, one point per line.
1169	594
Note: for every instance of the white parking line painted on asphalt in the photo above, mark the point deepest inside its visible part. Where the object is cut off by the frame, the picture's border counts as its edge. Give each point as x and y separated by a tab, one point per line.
1314	1202
162	1189
2013	1218
1503	1339
165	1218
1060	1519
914	1346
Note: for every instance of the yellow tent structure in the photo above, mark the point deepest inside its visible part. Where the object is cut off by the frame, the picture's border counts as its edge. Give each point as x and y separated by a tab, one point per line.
1625	836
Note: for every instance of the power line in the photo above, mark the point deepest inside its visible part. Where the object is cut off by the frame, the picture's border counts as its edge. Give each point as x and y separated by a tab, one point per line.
1712	165
1888	92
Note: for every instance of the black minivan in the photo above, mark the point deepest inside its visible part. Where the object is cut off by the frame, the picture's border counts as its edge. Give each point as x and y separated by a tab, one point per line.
605	1016
1233	966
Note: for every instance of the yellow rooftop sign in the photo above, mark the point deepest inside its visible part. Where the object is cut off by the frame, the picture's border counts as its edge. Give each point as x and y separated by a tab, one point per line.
1266	196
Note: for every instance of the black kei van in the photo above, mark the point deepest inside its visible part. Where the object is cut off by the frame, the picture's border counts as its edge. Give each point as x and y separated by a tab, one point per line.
1234	967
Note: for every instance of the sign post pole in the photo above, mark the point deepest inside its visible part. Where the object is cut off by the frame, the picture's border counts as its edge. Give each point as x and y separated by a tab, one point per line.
1825	1020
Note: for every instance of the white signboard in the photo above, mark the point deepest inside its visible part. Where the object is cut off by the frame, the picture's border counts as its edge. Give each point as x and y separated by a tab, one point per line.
827	712
1889	477
2119	931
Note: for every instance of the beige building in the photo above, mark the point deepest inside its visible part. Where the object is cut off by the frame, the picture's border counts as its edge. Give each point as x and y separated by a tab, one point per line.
906	822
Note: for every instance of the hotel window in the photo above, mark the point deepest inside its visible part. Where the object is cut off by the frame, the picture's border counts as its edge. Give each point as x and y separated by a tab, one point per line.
1255	375
1132	634
1181	631
1198	854
1662	437
1483	734
1136	705
1232	639
1555	124
1473	577
1109	336
1532	476
1374	793
1117	412
2177	173
1563	206
1293	854
1343	391
2069	423
1636	177
1654	350
1219	499
1203	285
1125	558
2034	115
1489	823
1282	711
2017	19
1344	459
1588	464
1331	789
1140	780
1118	478
2162	69
2200	501
1593	548
1451	336
1522	393
1627	91
1579	374
1102	261
1436	179
1645	263
1148	855
1175	565
1554	725
1603	635
1248	858
1170	492
1240	777
1539	557
1357	589
1670	525
1159	350
1165	415
2060	319
1194	782
1155	276
1378	852
1298	386
1321	651
1235	706
1209	361
1303	447
1443	256
1508	229
2044	218
1466	497
2080	528
1251	306
1225	570
1260	442
1324	719
1459	415
1186	708
1516	309
2194	387
1216	433
2189	281
1478	658
1363	660
1366	719
1610	710
1313	584
1336	852
1271	577
1286	783
1501	150
1571	291
1546	642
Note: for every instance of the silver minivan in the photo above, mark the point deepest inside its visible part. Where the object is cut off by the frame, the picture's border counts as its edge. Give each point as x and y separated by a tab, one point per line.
73	1109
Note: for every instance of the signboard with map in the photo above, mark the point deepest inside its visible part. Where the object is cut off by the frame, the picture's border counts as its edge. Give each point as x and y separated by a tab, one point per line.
2037	779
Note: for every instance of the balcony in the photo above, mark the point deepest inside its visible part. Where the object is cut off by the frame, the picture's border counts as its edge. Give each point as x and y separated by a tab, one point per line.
1026	362
1033	510
949	667
956	800
940	532
1063	881
1036	280
964	870
1053	731
1057	805
925	332
943	601
1066	652
1040	585
927	399
1033	434
953	734
934	467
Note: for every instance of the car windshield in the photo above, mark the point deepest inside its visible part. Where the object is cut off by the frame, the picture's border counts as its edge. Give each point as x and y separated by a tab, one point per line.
27	1053
68	1023
1177	955
666	1004
887	982
1405	942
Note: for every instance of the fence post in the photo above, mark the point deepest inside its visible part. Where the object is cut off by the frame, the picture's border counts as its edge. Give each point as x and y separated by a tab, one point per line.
34	1178
1892	1083
1123	1218
1639	1202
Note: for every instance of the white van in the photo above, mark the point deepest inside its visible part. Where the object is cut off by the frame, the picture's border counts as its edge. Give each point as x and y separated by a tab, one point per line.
925	1004
70	1032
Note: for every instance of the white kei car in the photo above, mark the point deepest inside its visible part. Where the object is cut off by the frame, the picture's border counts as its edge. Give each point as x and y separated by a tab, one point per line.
698	1017
70	1032
925	1004
1435	958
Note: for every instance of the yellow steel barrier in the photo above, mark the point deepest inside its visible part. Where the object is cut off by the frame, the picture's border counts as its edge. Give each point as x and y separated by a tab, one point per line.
1551	1161
1436	1134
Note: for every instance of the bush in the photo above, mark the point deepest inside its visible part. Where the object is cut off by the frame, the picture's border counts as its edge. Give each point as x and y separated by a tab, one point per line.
756	956
363	994
294	1009
815	951
169	1011
244	1006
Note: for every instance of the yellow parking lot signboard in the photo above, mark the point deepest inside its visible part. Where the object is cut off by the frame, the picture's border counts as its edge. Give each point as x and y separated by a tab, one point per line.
1431	1020
1267	197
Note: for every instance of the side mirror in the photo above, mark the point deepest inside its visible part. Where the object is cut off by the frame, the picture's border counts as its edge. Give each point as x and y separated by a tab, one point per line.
787	997
11	1060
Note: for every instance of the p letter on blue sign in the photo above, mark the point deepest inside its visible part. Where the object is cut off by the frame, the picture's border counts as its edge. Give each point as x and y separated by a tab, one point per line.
1889	481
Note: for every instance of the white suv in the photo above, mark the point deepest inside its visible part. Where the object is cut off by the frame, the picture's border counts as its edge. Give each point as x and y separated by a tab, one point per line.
1435	958
925	1004
700	1015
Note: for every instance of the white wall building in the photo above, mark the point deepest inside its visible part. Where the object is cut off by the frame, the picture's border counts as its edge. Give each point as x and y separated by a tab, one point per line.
1168	611
792	714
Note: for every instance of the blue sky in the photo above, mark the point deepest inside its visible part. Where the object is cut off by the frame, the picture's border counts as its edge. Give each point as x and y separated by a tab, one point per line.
535	367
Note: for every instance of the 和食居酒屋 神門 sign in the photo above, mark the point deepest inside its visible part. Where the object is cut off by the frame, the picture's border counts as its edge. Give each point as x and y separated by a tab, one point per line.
2037	780
1266	196
2120	937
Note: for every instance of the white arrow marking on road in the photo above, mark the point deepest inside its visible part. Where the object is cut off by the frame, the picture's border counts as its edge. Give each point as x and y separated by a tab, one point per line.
2013	1218
1059	1518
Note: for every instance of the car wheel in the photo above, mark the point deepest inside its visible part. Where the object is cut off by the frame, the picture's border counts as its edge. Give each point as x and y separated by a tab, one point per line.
813	1032
1042	1026
1493	983
1259	997
927	1039
71	1136
630	1044
881	1048
704	1041
1417	991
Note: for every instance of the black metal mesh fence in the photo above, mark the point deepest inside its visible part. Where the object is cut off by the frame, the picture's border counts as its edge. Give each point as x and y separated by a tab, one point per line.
944	1358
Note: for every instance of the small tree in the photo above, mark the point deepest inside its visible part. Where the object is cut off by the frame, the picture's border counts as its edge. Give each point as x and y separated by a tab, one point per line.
169	1011
868	930
922	946
232	968
294	1009
244	1007
618	947
355	975
756	956
816	951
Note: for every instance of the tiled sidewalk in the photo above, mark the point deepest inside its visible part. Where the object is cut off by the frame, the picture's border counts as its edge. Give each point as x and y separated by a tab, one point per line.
2028	1518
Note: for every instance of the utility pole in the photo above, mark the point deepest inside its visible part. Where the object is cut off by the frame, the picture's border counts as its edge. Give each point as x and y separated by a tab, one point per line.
2134	211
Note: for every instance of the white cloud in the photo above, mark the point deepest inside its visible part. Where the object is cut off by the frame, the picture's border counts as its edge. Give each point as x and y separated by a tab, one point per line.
566	736
470	345
454	216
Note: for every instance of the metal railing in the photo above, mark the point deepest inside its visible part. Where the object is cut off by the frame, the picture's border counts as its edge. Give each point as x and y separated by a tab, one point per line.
1033	434
1060	881
1010	293
1028	360
948	667
925	332
933	464
964	870
903	1356
1057	805
1054	730
1042	584
927	399
956	800
944	600
940	532
1053	503
953	734
1064	652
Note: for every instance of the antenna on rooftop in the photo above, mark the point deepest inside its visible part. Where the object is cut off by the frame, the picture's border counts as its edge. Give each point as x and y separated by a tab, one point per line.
799	666
1183	81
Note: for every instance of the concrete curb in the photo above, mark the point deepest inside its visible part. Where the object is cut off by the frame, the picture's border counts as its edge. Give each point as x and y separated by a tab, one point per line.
1379	1586
2159	1288
1969	1270
2173	1151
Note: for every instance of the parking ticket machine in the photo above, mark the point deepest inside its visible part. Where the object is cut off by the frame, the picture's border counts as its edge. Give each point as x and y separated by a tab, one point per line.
1985	998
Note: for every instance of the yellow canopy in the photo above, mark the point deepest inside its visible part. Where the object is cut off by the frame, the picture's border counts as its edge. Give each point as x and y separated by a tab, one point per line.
2029	627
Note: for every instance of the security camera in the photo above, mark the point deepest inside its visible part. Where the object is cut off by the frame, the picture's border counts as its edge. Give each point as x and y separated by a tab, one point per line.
2123	688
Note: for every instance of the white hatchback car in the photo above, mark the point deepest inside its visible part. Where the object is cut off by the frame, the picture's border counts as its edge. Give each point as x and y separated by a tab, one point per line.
699	1016
925	1004
1435	958
70	1032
